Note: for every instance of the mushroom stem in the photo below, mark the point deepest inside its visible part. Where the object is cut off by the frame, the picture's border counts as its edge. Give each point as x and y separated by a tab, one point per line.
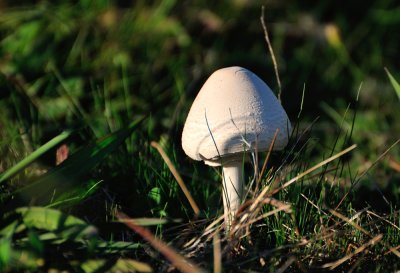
232	190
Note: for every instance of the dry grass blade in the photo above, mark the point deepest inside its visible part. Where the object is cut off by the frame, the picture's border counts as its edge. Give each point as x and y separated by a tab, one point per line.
393	250
367	170
349	221
383	219
261	196
312	204
319	165
176	259
335	264
217	253
271	50
248	217
286	265
395	165
209	232
378	159
269	213
177	177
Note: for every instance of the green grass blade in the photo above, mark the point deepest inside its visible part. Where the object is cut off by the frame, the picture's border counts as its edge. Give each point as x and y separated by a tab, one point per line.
75	195
5	251
121	265
35	225
71	173
116	247
154	221
9	229
47	219
33	156
394	83
66	226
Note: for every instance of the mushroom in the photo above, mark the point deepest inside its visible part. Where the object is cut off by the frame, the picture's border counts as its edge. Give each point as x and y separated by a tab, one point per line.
234	113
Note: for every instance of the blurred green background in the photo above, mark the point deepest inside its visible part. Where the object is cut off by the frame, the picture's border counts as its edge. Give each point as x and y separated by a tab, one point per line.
98	65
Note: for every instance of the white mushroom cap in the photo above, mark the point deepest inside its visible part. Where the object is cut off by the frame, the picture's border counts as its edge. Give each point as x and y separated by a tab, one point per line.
235	111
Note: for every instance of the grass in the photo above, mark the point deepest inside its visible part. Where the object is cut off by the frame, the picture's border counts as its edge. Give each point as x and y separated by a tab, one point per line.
117	194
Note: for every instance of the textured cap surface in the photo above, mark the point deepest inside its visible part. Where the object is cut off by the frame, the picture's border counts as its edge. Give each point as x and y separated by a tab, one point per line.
234	111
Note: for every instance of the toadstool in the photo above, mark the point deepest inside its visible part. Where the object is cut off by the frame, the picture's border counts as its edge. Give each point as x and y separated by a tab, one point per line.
234	113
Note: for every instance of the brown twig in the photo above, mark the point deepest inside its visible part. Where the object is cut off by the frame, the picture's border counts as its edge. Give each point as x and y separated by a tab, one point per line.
175	258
